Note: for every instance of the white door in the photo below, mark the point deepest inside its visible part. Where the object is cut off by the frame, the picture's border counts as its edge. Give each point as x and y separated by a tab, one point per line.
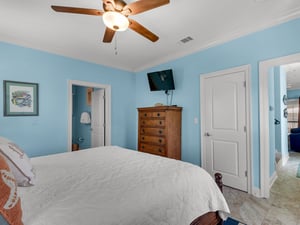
224	134
98	118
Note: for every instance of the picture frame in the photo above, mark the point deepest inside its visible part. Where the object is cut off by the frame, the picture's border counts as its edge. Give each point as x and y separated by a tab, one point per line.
89	92
20	98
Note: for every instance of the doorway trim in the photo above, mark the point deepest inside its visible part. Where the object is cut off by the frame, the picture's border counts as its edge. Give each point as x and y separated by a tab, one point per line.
264	147
247	70
107	89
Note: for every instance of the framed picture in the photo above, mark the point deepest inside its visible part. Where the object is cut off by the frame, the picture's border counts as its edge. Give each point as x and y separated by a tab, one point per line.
89	92
20	98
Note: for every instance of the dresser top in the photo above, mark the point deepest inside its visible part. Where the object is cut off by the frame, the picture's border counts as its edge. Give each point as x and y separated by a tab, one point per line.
164	107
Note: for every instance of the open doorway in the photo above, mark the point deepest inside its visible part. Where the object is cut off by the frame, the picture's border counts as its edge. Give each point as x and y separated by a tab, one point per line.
88	115
278	120
264	120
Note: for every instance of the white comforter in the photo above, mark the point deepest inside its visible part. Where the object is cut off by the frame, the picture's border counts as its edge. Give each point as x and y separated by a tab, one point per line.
115	186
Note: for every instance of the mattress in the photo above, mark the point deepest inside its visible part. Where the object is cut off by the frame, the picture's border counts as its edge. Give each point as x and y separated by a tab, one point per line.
113	185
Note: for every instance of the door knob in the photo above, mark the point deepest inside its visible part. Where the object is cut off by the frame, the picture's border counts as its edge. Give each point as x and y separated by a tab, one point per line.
207	134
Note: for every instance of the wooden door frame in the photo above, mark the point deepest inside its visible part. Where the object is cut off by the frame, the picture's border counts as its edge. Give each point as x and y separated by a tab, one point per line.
107	89
246	69
264	147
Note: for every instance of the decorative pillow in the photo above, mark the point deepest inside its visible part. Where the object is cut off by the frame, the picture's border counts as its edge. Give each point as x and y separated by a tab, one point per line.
19	164
10	203
4	140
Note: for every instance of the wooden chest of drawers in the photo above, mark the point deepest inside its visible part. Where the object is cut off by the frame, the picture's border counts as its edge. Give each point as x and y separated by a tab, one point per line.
159	131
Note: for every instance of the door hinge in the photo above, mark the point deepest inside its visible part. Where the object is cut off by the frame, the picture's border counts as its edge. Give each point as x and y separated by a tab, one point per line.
245	128
244	83
246	173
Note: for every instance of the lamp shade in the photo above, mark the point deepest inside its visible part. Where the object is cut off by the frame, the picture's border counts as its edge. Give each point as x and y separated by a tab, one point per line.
115	21
85	118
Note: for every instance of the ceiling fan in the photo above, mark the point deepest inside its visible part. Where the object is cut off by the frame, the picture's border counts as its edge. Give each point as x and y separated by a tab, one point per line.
115	16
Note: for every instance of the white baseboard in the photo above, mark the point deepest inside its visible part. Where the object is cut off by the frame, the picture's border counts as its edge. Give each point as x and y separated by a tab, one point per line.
256	192
273	179
284	159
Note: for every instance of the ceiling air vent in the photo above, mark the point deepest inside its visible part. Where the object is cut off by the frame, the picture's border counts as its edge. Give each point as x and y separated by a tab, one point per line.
185	40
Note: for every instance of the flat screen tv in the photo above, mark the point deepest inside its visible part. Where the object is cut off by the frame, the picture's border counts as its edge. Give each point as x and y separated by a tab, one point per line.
161	80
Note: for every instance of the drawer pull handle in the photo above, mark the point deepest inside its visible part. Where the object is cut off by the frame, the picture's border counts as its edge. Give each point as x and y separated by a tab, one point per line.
143	131
160	122
159	140
158	114
143	138
160	131
143	146
143	122
159	150
145	114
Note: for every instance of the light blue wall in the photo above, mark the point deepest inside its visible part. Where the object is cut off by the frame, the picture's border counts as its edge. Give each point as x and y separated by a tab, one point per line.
292	94
284	124
275	42
47	133
280	140
281	130
278	107
272	106
82	132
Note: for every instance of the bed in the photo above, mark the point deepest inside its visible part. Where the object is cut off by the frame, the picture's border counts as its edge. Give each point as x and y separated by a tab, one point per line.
113	185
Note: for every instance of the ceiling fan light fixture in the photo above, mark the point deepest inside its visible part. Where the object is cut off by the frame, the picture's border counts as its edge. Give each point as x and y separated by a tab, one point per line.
115	21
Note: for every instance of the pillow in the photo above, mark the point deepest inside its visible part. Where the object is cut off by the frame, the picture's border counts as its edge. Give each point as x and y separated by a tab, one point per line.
10	203
19	164
4	140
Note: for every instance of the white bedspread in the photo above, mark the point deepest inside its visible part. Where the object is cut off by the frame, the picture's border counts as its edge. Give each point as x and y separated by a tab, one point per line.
115	186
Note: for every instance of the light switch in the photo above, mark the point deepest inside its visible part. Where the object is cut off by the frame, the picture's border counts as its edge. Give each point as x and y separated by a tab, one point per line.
196	120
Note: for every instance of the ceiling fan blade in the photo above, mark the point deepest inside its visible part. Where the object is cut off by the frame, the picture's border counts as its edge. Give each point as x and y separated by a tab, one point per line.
143	5
142	30
108	35
85	11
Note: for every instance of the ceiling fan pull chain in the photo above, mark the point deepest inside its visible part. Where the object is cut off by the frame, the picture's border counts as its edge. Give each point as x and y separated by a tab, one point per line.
116	46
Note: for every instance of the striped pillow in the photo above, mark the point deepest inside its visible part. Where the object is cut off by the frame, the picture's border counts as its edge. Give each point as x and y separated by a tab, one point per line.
10	203
19	164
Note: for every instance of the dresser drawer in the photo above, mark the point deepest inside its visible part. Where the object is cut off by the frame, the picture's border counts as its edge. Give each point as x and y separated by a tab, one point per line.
159	131
152	114
153	149
153	131
153	123
153	140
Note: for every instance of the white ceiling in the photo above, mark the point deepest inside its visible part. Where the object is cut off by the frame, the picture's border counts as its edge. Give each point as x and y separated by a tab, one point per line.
32	23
